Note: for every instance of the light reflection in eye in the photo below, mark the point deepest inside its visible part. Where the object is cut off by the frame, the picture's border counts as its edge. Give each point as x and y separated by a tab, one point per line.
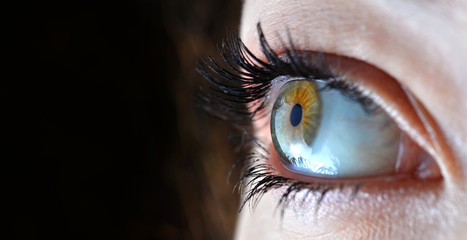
335	137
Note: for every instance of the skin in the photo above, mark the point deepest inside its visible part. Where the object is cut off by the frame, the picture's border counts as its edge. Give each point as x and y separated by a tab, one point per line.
423	46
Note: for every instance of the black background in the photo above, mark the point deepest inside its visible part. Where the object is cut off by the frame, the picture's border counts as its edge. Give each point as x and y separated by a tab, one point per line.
101	138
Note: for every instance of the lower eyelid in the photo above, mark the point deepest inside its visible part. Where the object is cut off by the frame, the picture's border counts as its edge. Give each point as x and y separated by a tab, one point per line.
362	193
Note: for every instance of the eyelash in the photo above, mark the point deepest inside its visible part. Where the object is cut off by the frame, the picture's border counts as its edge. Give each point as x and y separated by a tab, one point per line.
245	81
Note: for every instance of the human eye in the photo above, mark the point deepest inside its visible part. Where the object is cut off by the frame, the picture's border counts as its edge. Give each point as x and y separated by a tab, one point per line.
327	124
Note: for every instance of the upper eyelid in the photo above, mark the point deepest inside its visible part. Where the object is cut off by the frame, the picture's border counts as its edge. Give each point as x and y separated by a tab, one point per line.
255	78
359	23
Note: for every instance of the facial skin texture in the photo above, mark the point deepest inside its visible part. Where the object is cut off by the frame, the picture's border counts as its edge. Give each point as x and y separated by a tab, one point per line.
421	44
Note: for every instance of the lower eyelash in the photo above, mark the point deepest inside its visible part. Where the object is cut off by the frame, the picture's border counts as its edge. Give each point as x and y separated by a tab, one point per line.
258	177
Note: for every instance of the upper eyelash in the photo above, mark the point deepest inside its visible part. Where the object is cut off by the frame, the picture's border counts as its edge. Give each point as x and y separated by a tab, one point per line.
246	78
236	87
237	93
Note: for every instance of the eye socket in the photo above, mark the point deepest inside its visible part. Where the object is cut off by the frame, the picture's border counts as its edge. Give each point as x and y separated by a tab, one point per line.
363	128
245	90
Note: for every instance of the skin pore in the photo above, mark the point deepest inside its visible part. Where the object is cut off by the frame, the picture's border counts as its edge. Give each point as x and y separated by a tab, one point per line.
420	44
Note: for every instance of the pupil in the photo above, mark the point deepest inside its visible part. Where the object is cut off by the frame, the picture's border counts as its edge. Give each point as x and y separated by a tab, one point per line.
296	115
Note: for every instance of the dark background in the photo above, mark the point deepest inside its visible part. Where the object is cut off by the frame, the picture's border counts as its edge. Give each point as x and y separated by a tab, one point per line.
101	136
